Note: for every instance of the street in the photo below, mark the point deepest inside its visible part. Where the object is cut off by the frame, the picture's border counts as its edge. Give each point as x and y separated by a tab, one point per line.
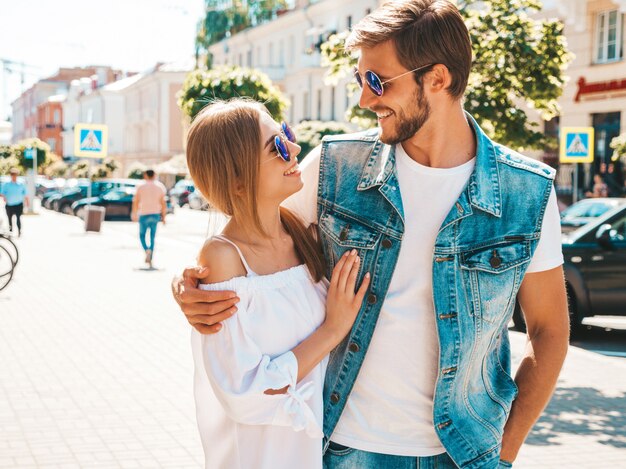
96	369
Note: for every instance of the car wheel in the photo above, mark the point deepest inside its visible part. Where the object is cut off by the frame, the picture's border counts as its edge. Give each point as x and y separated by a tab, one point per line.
80	212
67	209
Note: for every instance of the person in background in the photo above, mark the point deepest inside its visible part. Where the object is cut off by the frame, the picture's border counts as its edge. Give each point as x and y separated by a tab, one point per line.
148	208
13	193
600	189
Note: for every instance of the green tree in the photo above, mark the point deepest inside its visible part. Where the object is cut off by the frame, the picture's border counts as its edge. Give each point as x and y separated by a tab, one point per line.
7	163
220	21
87	169
57	169
44	155
136	170
517	60
203	86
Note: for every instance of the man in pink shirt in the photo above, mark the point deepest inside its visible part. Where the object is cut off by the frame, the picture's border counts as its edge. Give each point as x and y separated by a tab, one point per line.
149	207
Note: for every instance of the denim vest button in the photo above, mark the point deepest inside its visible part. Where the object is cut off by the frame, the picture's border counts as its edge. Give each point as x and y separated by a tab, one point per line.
459	208
334	398
354	347
371	299
386	243
495	260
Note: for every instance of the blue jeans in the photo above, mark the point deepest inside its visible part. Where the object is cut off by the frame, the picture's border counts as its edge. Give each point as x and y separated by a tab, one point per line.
341	457
148	223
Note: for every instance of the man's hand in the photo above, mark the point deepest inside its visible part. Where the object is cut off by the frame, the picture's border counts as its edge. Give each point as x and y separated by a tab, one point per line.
133	216
204	309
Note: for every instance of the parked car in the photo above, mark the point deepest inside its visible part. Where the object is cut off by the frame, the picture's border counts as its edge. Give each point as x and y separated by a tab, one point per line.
197	202
117	203
583	211
595	269
64	203
179	194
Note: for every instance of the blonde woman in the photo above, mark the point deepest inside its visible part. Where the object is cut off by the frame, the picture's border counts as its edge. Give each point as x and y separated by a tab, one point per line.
258	382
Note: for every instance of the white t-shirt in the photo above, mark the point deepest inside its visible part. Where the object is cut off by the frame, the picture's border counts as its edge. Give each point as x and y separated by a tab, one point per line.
391	404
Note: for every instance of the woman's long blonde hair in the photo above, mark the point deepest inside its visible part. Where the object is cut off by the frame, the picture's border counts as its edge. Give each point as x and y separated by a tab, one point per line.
223	153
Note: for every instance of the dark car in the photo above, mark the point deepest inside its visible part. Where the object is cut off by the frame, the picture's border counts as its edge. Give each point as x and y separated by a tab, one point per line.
179	194
583	211
595	269
64	203
118	204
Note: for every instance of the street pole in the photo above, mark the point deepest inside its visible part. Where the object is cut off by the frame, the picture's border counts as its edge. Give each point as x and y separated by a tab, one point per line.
575	190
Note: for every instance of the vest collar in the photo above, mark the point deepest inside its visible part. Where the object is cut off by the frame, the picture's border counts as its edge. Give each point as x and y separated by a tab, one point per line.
484	183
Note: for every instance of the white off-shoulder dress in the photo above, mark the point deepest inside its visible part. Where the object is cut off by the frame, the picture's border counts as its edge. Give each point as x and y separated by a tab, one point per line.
240	426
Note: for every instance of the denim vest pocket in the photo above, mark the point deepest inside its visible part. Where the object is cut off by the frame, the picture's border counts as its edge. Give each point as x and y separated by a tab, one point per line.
494	272
341	233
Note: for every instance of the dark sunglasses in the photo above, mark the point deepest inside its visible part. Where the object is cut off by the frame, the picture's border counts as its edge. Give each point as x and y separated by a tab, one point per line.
281	145
375	84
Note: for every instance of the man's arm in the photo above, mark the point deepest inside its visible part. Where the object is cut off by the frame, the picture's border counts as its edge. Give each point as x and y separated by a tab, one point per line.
163	208
543	299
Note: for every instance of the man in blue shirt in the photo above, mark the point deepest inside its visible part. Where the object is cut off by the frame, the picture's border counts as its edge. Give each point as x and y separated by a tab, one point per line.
13	194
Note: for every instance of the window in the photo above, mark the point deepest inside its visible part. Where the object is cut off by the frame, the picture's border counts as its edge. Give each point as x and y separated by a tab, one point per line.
281	53
319	105
609	28
52	142
349	22
57	116
305	106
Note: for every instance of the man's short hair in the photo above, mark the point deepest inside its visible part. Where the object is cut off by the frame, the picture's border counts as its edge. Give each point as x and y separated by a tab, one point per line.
424	32
14	171
149	173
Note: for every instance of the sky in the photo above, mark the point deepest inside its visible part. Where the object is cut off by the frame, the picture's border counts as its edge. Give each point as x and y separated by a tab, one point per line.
130	35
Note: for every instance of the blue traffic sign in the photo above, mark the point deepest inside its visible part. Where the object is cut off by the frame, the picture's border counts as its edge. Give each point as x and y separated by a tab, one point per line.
90	140
576	145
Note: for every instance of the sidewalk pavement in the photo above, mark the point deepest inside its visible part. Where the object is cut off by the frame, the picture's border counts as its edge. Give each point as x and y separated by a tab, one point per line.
96	370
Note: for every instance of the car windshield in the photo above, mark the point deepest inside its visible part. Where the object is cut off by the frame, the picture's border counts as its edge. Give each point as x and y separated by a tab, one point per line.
587	209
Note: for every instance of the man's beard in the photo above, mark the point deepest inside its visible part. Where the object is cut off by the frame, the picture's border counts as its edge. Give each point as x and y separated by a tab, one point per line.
407	126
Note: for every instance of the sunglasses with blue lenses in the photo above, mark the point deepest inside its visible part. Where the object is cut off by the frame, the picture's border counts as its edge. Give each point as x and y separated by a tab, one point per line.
375	84
281	145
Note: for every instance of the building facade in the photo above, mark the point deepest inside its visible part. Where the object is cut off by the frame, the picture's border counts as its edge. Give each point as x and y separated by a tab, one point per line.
140	111
25	109
595	95
154	128
50	123
287	50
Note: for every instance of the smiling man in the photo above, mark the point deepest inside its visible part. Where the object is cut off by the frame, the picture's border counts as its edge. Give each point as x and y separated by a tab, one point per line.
453	227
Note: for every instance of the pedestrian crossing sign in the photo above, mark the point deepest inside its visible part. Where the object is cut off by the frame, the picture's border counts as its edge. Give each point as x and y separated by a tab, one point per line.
90	140
576	145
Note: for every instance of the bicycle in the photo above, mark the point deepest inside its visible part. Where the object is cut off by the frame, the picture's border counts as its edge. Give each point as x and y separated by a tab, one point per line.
7	243
6	267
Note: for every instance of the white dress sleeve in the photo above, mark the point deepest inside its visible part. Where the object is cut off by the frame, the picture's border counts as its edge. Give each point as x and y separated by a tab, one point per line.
240	373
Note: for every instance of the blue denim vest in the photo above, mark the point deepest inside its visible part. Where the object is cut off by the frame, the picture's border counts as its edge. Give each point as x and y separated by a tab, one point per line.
481	253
